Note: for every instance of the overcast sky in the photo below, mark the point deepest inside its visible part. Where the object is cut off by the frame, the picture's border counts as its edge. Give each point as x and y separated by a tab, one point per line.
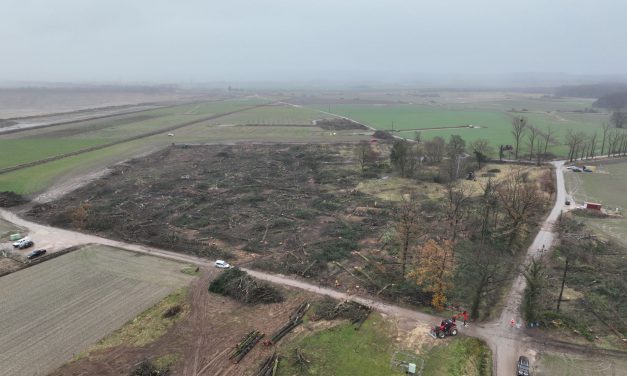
255	40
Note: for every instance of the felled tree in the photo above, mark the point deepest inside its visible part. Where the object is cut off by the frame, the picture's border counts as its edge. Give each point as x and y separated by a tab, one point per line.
435	270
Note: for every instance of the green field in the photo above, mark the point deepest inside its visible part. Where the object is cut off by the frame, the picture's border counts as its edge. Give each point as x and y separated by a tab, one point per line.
491	120
553	364
606	186
342	350
459	357
36	144
274	120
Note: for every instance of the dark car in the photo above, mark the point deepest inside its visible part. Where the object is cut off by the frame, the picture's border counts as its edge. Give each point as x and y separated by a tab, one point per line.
523	366
36	253
26	244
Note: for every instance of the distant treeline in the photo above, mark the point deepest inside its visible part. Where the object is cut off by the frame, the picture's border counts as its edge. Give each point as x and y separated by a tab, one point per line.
591	90
614	101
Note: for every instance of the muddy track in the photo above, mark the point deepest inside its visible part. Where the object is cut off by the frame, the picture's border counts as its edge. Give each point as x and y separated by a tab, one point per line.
138	137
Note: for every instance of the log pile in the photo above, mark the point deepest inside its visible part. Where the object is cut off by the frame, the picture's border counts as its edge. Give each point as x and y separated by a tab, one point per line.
245	345
269	366
295	319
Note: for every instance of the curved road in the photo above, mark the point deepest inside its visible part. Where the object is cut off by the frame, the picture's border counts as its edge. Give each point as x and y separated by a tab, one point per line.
506	342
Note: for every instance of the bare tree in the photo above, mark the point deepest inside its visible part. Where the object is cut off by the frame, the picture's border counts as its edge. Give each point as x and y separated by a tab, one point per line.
481	149
531	139
488	209
593	144
399	156
618	118
612	142
574	141
489	270
605	127
409	228
458	198
365	155
519	198
518	128
434	149
548	139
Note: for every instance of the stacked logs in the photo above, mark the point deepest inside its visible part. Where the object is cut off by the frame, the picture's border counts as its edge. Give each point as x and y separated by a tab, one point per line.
245	345
295	319
269	366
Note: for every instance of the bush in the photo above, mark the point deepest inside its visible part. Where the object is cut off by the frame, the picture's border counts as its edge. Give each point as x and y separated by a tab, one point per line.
147	368
383	135
172	311
9	199
238	285
494	170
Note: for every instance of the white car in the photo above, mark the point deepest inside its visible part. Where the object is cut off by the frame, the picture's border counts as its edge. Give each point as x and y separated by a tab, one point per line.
18	243
222	264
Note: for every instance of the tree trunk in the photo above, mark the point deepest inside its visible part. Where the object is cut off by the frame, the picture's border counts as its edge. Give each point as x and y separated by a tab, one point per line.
559	300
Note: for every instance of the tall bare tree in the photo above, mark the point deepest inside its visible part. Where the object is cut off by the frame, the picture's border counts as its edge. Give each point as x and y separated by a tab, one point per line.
481	149
435	149
409	228
531	139
519	198
365	154
548	139
458	196
618	118
519	123
605	127
574	140
593	145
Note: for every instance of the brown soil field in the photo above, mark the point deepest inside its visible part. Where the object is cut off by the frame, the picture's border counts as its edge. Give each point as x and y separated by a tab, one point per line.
201	341
290	208
55	310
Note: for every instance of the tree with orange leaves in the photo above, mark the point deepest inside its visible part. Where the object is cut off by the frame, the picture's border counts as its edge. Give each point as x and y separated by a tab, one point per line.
435	270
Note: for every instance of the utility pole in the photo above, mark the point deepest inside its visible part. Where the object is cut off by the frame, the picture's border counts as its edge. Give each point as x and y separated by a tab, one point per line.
392	125
559	300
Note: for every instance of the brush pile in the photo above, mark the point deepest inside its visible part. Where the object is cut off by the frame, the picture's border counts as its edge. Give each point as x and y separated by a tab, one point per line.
295	319
245	345
269	366
237	284
348	309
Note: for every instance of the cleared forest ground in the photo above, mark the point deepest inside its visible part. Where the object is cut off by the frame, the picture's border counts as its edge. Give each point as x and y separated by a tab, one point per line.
56	309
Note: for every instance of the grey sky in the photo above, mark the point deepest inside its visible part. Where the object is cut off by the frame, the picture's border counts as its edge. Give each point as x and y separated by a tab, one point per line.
230	40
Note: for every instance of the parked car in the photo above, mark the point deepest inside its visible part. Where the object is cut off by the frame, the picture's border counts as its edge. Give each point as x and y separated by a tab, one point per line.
36	253
523	366
19	242
222	264
26	244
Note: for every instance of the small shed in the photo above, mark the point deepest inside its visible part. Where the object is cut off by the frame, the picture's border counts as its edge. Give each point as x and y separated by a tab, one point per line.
592	206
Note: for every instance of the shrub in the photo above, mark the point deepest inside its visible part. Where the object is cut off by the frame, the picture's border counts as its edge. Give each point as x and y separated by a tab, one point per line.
172	311
238	285
147	368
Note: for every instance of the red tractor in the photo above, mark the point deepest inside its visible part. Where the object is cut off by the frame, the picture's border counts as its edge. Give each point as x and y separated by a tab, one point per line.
446	328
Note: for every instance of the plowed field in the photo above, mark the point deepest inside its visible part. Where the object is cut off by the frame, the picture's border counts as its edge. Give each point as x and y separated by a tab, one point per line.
58	308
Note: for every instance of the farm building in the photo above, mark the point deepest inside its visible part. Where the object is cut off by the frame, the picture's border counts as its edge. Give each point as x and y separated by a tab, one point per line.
592	206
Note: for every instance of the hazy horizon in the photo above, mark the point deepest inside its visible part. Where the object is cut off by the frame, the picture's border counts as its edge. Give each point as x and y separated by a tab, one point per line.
280	41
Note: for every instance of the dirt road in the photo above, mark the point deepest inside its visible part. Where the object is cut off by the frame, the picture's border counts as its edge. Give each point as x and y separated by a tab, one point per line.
507	342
